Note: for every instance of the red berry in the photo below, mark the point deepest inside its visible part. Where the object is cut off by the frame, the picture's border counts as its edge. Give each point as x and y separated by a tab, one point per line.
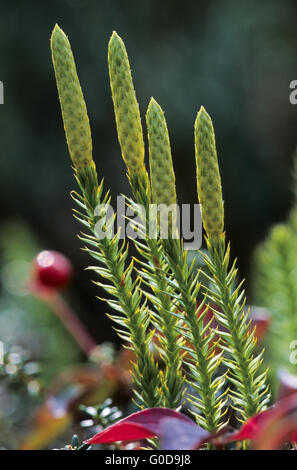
52	269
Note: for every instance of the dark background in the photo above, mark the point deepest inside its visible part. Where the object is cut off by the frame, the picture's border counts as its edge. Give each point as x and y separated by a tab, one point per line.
235	58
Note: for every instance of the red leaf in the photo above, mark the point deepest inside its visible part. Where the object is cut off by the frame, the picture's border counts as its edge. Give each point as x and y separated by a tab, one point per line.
251	427
280	427
270	429
140	425
121	432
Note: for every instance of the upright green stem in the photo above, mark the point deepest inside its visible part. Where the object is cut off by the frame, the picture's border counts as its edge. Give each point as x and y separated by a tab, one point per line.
134	317
203	360
154	273
109	251
250	394
130	136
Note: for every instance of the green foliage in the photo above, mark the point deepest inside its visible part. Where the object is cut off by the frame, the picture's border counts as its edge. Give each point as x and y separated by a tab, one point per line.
153	265
153	270
202	363
111	253
203	360
249	393
185	338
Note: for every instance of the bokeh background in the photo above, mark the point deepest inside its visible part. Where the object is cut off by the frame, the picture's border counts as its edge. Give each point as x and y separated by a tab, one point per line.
235	58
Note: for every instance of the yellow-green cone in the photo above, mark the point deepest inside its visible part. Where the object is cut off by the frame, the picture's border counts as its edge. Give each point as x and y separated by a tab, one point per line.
74	111
125	105
208	175
161	166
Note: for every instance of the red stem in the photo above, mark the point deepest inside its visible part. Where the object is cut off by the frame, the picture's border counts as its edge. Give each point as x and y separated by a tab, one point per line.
71	322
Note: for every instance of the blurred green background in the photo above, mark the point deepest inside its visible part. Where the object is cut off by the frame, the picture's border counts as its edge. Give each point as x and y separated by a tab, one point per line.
235	58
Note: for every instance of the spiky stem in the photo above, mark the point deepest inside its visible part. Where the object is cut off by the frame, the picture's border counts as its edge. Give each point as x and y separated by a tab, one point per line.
203	361
153	273
108	250
112	253
250	394
132	146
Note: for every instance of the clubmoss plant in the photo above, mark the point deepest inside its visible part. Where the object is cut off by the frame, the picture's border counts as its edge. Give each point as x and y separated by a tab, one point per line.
203	362
249	393
159	298
111	253
153	264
